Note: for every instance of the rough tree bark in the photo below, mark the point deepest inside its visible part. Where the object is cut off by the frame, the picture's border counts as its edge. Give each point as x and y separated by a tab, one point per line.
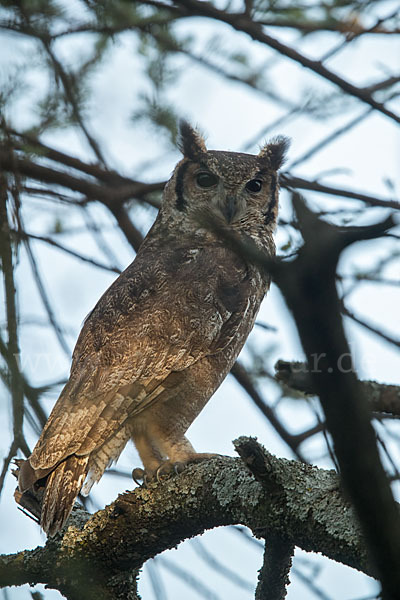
277	499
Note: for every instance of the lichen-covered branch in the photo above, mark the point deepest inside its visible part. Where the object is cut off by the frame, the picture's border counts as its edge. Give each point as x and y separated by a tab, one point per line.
273	577
290	500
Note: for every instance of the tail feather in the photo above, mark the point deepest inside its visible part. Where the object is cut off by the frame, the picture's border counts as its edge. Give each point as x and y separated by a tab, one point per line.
62	488
104	456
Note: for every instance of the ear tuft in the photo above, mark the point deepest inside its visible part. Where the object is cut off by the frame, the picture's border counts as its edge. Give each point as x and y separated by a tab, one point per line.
275	151
191	144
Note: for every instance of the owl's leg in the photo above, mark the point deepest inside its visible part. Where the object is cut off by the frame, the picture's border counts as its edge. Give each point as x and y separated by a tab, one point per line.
150	455
180	453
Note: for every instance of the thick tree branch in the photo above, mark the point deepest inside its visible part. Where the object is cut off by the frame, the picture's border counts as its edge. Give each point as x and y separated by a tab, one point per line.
297	502
274	575
308	284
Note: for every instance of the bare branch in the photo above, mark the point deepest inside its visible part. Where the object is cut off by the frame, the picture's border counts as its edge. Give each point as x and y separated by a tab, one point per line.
388	338
51	242
309	287
68	85
330	138
243	378
381	397
45	298
241	22
103	193
291	181
214	563
12	348
273	578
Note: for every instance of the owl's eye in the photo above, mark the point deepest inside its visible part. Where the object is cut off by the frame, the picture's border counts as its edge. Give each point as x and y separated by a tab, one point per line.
254	185
206	179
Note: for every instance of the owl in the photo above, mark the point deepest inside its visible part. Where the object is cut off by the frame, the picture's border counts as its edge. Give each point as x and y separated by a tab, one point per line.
166	333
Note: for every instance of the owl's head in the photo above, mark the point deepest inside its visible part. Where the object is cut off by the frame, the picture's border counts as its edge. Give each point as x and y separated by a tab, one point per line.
239	189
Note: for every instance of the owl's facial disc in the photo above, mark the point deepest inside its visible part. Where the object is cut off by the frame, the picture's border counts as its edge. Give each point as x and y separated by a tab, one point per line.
216	184
225	201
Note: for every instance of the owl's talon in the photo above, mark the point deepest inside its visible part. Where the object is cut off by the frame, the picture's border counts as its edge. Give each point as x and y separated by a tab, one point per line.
139	476
159	471
179	467
167	468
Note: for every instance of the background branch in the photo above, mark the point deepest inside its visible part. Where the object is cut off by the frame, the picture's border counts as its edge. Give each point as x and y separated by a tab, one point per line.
310	291
380	396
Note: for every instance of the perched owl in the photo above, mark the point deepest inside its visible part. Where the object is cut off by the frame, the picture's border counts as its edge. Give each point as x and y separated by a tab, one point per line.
165	334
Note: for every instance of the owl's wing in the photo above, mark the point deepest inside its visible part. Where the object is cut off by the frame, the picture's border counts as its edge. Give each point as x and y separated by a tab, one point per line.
154	322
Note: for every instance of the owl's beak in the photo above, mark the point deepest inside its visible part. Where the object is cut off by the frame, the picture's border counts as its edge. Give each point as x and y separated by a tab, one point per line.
228	209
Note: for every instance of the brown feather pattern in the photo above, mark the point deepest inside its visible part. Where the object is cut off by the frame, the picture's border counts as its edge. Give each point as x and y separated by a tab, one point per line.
62	488
165	334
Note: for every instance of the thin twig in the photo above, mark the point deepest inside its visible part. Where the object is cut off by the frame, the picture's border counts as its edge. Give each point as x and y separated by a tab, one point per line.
371	328
67	82
12	349
212	561
45	299
243	23
243	378
24	235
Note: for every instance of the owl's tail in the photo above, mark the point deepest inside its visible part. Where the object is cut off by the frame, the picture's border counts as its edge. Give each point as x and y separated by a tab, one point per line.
62	488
